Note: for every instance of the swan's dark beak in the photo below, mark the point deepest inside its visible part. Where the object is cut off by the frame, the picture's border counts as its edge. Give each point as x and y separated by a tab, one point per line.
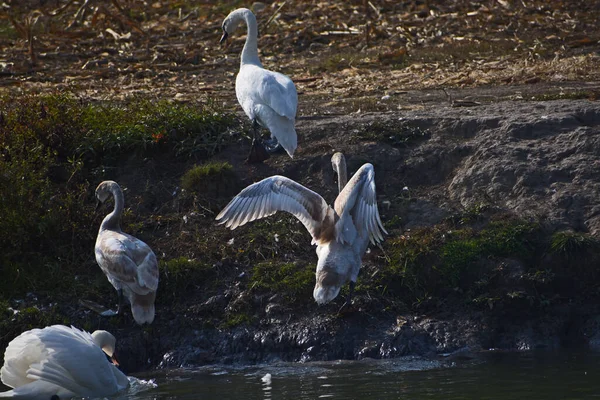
224	37
98	204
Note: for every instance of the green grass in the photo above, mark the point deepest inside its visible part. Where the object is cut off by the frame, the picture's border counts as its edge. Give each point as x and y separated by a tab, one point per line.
292	281
54	149
213	179
573	244
438	260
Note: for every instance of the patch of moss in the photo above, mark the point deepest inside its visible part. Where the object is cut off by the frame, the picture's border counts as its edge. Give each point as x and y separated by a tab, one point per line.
213	179
234	319
569	95
432	261
291	280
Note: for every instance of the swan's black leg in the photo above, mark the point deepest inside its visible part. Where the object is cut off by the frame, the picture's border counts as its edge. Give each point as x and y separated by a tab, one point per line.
119	307
257	151
348	303
272	145
351	292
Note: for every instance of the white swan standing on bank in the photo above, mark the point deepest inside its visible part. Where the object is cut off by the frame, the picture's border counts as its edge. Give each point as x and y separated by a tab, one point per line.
341	232
129	264
59	362
268	98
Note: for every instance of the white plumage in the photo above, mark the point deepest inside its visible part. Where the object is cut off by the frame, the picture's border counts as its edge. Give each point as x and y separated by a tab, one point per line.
129	264
268	98
342	232
61	361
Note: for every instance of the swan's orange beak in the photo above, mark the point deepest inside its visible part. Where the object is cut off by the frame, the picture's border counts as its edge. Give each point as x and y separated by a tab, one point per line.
113	359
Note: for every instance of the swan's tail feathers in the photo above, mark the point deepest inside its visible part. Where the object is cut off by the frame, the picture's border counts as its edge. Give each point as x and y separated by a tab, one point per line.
328	286
288	139
142	307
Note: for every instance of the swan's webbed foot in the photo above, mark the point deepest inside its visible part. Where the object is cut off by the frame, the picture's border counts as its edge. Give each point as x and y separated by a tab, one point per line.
272	145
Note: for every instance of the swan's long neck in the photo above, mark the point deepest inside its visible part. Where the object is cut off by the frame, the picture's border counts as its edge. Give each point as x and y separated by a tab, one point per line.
250	51
340	169
111	221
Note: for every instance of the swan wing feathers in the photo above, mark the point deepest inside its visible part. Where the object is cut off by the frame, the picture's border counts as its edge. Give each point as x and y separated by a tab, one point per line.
21	352
33	391
128	260
255	86
358	200
276	193
278	92
74	362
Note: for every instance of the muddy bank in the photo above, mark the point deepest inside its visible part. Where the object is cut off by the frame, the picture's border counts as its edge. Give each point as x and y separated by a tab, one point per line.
493	218
439	169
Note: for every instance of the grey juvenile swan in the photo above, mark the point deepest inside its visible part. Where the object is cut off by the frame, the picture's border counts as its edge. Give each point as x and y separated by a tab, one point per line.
341	232
129	264
268	98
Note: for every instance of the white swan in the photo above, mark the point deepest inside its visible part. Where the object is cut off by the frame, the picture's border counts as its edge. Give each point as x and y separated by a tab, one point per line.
268	98
60	362
129	264
341	232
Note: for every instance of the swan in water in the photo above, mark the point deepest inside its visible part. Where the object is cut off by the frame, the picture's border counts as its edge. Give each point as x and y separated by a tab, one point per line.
129	264
341	233
268	98
59	362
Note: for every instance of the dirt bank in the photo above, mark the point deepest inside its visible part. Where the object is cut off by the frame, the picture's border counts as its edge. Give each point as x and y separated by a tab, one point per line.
481	121
493	220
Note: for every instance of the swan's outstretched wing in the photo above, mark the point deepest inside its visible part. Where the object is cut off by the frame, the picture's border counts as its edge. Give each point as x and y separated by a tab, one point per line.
276	193
358	200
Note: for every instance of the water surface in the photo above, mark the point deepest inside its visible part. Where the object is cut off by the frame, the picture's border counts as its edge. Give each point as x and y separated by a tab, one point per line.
496	376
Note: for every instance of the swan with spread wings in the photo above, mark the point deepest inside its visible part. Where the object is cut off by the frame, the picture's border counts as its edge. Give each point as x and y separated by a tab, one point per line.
341	233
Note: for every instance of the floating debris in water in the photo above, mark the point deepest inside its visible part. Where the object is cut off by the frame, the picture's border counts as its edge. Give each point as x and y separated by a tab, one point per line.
266	379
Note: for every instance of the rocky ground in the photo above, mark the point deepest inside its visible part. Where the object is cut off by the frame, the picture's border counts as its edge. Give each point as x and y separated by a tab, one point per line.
485	150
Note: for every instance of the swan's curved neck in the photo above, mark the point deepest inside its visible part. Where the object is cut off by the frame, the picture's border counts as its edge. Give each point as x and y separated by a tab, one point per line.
111	221
250	51
340	168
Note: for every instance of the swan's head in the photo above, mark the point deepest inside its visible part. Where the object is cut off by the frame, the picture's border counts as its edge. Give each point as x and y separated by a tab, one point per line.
231	22
104	190
107	342
338	162
333	269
